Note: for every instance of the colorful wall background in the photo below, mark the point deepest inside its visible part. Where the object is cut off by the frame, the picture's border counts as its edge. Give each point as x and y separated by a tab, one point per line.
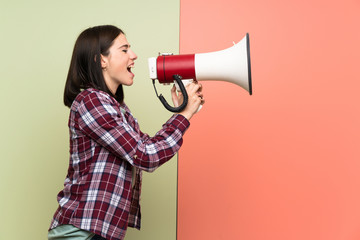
281	164
285	162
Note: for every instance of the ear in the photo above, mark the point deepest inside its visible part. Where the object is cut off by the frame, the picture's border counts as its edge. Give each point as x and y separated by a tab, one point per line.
104	61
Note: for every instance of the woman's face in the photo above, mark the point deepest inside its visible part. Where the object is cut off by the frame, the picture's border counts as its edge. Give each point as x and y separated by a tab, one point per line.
118	63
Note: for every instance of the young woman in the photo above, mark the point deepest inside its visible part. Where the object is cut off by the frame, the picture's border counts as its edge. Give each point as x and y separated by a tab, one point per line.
108	151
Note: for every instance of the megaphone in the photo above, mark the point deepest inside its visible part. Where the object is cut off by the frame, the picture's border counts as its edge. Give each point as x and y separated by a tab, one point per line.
229	65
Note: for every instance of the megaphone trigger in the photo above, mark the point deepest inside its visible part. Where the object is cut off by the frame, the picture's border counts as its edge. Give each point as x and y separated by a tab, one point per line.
185	83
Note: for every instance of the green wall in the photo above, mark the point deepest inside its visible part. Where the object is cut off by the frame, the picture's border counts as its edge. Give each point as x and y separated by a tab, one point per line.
37	38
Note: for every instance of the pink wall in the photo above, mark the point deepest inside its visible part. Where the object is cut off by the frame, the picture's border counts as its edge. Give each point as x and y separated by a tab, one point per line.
285	162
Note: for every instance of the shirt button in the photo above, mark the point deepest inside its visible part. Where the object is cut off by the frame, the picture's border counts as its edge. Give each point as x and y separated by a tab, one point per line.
135	156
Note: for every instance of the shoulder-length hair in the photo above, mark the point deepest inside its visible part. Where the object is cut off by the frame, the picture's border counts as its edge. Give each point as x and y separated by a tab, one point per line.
85	67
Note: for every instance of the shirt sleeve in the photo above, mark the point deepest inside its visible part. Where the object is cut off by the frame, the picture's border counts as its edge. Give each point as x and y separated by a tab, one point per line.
101	119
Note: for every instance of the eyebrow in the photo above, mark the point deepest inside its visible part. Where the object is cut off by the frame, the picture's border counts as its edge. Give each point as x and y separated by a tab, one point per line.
125	46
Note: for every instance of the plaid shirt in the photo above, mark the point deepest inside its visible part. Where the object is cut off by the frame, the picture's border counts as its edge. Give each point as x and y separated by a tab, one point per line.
107	149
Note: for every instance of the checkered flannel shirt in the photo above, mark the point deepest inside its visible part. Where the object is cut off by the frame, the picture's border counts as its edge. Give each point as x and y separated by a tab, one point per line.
106	145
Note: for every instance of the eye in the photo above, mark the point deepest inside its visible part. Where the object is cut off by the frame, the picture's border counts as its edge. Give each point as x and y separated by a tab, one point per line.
125	50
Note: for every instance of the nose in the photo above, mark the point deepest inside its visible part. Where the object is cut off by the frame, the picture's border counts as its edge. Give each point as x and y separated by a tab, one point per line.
133	56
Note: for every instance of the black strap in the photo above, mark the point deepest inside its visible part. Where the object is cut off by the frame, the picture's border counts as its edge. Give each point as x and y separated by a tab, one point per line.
177	78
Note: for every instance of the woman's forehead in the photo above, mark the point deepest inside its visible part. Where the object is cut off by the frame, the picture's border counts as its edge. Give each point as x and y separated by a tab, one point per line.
121	41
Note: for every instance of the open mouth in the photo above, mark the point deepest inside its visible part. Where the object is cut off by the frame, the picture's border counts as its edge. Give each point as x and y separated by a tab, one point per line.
130	67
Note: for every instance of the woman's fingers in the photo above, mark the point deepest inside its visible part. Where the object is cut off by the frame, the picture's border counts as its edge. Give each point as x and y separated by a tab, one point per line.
174	96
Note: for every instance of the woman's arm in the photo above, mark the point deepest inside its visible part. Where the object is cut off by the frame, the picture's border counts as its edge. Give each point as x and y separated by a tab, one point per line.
100	119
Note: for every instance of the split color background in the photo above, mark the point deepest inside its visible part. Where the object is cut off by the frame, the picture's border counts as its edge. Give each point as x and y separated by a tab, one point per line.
281	164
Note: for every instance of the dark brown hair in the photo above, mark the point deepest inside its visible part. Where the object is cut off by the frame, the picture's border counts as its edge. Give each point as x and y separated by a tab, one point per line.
85	67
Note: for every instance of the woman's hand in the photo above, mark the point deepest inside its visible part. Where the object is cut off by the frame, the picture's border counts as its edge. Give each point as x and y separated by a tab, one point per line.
195	99
176	96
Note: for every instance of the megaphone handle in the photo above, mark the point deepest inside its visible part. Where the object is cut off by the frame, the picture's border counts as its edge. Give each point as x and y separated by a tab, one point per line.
186	82
177	78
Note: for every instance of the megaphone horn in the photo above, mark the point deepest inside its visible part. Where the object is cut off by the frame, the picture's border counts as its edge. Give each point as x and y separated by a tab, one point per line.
229	65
